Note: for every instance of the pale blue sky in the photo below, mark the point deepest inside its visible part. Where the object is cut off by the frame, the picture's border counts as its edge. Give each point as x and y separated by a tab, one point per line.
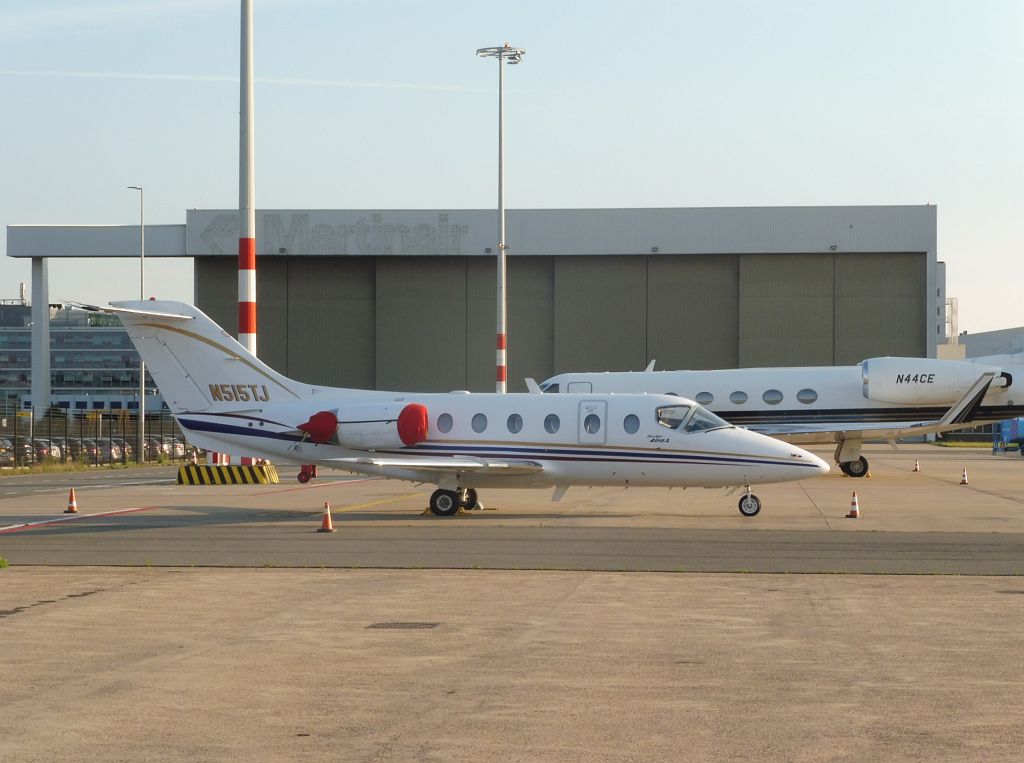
376	104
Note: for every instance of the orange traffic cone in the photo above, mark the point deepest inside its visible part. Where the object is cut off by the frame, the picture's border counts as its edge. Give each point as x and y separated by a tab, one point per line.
72	503
963	479
326	526
917	465
854	507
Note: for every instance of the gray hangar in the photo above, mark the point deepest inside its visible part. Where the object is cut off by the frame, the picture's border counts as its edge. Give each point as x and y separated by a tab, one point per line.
405	299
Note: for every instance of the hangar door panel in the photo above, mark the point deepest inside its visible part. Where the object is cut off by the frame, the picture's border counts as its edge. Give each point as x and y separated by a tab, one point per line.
421	323
692	313
272	314
216	289
331	320
785	310
600	313
880	306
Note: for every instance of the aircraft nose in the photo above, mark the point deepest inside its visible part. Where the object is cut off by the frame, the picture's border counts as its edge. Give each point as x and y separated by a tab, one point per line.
823	465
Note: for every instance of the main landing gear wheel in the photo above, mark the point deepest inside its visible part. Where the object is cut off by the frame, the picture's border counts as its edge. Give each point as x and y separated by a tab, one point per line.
858	468
444	503
303	477
469	500
750	505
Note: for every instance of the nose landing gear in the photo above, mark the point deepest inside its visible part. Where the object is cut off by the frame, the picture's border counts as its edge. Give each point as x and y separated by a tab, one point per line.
750	504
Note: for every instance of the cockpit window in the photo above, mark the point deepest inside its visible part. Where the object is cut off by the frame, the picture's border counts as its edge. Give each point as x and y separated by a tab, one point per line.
671	416
549	387
704	420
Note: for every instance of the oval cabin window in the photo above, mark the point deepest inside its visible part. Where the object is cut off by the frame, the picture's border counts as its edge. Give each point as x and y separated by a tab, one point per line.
551	423
738	397
807	396
772	397
515	423
631	423
705	398
479	423
592	424
444	423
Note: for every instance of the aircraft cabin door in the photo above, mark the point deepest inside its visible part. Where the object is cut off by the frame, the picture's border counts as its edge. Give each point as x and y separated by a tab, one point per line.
593	422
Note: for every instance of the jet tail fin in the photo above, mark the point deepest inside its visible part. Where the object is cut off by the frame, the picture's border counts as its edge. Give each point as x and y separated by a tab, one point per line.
195	363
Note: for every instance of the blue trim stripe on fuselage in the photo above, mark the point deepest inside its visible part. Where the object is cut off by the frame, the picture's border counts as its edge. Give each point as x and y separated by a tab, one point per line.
604	455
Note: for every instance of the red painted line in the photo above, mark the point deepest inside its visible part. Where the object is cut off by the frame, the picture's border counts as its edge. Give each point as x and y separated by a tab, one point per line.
246	317
246	254
502	374
502	342
69	518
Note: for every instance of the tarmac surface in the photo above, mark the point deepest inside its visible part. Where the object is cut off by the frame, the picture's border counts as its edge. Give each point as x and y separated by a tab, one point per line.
575	630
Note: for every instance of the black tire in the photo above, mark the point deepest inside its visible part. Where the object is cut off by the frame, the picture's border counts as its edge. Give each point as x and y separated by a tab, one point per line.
750	505
470	499
858	468
444	503
303	477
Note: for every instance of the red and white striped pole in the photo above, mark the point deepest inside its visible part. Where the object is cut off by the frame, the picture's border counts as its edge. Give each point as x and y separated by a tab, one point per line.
246	194
246	200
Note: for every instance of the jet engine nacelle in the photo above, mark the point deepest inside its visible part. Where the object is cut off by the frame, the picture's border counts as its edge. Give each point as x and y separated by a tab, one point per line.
382	426
922	380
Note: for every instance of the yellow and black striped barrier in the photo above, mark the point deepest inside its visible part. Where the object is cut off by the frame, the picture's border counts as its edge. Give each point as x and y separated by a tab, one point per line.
202	474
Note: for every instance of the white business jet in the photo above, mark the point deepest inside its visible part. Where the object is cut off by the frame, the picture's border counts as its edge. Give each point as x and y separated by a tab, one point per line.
227	400
878	399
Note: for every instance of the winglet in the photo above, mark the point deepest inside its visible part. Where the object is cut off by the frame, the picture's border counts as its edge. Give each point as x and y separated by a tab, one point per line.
966	408
650	366
532	387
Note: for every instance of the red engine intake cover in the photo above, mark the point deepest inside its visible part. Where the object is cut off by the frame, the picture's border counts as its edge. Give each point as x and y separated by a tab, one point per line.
320	427
412	424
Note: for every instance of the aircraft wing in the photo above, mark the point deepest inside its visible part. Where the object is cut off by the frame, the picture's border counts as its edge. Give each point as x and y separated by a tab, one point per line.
960	415
453	464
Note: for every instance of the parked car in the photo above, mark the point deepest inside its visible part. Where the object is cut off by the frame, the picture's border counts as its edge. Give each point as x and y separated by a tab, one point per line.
45	449
127	449
24	452
74	449
101	451
6	452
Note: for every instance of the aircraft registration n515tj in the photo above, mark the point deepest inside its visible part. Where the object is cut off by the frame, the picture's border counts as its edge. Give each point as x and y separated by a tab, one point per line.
878	399
229	401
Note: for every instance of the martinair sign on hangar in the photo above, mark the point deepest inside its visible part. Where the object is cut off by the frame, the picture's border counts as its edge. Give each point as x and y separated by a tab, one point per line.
346	232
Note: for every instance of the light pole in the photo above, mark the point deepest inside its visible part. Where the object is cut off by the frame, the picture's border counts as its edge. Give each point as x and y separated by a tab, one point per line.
140	454
505	54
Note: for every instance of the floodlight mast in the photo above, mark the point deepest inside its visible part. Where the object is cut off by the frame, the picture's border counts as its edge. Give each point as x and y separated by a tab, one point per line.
505	55
140	454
